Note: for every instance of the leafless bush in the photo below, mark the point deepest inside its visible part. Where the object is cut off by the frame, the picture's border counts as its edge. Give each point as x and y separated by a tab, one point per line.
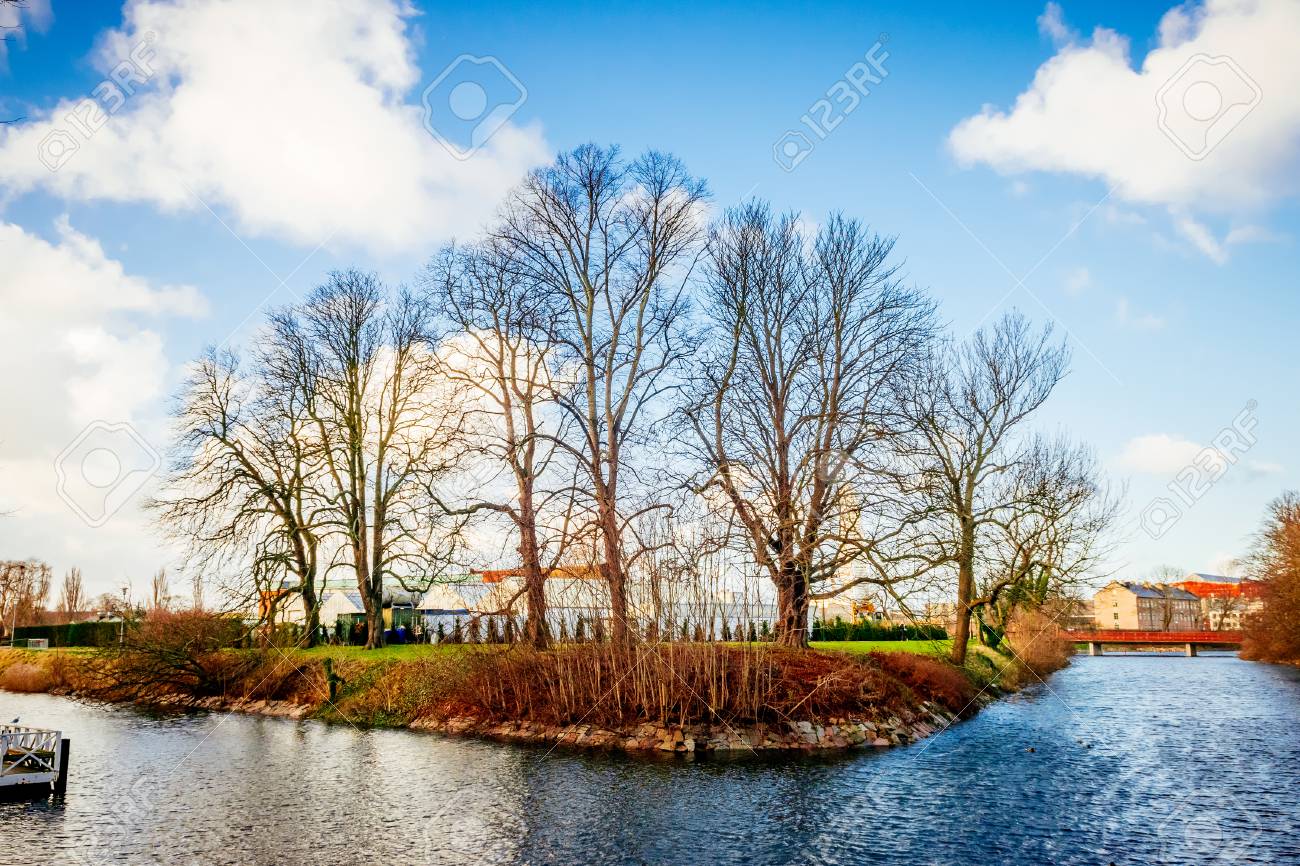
1035	639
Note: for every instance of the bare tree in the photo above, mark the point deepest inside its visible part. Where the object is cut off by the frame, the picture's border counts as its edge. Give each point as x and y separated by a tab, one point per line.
968	437
505	357
160	597
1159	578
610	244
72	598
384	424
238	493
796	396
1053	535
24	591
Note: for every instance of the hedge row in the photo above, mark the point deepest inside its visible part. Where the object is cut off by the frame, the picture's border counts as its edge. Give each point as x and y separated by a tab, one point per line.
867	630
92	633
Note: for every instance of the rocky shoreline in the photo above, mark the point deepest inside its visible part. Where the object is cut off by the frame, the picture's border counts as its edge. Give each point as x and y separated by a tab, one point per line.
803	735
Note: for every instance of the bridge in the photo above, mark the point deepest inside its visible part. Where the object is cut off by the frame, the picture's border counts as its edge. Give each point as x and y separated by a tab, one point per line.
1189	640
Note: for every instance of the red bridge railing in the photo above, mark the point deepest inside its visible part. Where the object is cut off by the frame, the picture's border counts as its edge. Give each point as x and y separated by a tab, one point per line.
1123	635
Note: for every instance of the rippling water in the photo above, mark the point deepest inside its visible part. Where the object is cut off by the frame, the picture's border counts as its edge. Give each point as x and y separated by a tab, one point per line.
1135	760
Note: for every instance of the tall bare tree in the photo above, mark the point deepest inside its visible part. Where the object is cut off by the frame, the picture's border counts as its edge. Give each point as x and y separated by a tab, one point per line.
24	591
968	419
383	421
611	244
238	492
811	340
160	596
72	596
505	357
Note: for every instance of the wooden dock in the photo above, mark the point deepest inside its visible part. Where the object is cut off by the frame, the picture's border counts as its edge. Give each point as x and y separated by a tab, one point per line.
33	761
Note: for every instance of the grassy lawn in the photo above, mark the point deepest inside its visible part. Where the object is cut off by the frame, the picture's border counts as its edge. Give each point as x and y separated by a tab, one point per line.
926	647
392	652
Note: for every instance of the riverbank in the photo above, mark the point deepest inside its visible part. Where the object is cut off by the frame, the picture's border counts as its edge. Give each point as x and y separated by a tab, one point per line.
681	698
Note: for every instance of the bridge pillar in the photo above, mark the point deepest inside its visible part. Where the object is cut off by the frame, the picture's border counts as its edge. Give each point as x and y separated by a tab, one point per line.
1191	650
1094	648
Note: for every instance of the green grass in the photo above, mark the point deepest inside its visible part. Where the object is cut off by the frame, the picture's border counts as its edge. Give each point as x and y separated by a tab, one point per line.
925	647
392	652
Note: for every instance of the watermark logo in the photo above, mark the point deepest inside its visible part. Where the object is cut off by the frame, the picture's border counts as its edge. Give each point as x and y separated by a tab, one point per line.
1204	101
470	101
1212	830
102	469
106	99
1192	482
826	114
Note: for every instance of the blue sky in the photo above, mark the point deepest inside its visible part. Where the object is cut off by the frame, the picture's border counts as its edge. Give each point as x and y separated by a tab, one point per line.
265	147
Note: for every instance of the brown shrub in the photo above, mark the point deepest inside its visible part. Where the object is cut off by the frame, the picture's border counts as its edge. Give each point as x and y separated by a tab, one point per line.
674	683
930	679
1038	648
25	677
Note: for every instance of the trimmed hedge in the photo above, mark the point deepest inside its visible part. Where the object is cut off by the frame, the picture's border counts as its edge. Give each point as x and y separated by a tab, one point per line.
867	630
93	633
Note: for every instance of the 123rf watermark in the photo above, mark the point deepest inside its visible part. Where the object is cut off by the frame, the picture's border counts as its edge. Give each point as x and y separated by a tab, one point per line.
1196	479
826	114
1205	100
102	469
106	99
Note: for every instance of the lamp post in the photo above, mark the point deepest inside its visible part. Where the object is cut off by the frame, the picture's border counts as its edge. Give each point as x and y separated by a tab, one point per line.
121	629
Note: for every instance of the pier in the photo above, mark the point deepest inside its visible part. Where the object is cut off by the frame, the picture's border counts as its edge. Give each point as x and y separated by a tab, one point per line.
33	762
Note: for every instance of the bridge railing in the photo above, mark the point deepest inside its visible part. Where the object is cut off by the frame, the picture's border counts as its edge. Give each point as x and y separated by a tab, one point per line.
26	751
1118	635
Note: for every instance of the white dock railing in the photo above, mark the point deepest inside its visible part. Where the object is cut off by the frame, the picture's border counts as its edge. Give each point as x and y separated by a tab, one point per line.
28	756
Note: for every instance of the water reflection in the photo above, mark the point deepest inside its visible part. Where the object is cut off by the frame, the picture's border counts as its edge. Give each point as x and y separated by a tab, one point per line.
1135	760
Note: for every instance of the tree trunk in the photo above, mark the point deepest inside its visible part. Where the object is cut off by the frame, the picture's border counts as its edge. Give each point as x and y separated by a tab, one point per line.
965	592
614	576
536	632
311	607
792	607
374	626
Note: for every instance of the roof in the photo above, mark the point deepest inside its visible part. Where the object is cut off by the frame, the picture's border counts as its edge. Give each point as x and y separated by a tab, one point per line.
1209	578
1147	590
1218	586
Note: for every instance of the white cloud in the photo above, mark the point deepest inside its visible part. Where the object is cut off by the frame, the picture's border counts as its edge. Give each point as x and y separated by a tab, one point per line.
1090	111
1052	25
1201	237
1263	469
80	342
1253	234
1077	282
304	126
1158	454
1126	317
81	331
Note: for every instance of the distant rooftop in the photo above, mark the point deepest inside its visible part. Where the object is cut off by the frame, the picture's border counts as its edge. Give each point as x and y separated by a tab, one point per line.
1201	577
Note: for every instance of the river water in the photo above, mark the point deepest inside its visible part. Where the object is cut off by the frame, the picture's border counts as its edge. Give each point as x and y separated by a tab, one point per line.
1118	759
